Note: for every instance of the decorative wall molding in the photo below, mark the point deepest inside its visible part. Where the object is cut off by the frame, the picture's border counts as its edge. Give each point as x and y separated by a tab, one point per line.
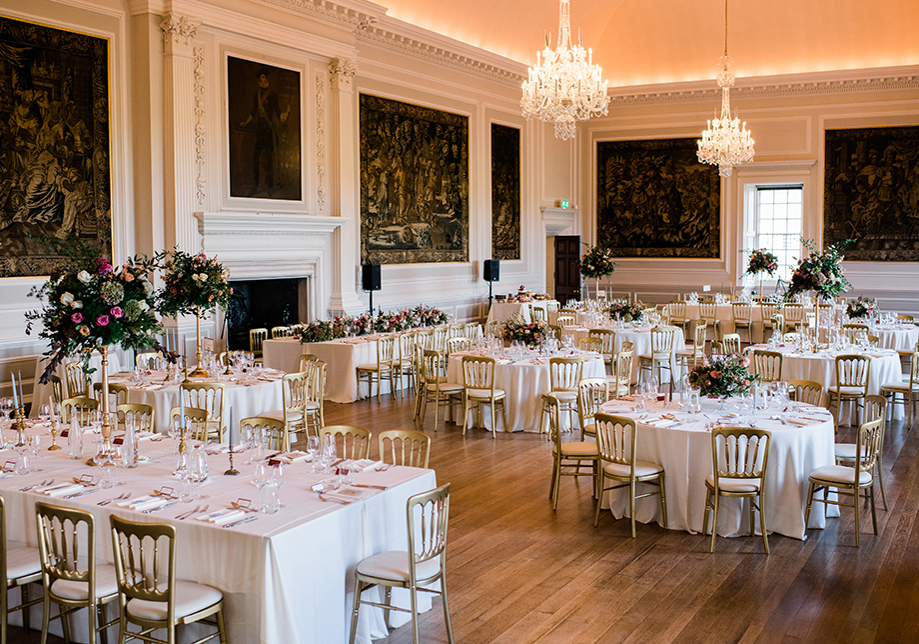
342	72
558	220
427	45
344	13
200	128
320	142
179	30
792	85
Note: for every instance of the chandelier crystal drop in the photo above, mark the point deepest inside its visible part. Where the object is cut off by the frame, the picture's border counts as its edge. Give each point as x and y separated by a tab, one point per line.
565	86
726	142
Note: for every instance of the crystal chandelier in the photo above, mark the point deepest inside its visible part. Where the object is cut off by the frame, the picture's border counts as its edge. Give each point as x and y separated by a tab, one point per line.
565	86
726	142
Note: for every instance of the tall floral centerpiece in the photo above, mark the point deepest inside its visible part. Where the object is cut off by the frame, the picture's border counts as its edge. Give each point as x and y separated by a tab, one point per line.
762	261
90	306
862	307
597	263
820	272
194	284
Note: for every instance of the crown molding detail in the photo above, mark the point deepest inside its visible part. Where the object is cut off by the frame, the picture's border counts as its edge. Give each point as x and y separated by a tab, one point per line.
343	71
410	40
343	13
791	85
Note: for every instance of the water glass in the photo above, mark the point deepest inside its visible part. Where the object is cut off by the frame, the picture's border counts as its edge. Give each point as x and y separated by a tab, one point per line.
269	499
312	448
107	477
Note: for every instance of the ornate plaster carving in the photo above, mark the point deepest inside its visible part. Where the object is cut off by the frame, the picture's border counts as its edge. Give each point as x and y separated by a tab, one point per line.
345	13
200	128
320	141
343	71
179	30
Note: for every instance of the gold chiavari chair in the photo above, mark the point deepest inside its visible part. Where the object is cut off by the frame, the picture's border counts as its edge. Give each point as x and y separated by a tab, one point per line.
591	344
537	314
708	313
404	447
294	395
80	406
196	421
314	406
277	436
143	416
151	360
19	567
416	569
616	443
806	391
555	331
306	361
382	370
211	396
70	576
436	388
118	393
592	392
905	393
743	318
351	442
479	390
608	336
149	594
850	481
458	344
661	353
57	389
621	379
767	310
564	376
473	331
730	343
794	316
256	338
568	457
767	365
78	383
875	409
853	372
694	355
565	320
405	366
739	459
281	332
676	311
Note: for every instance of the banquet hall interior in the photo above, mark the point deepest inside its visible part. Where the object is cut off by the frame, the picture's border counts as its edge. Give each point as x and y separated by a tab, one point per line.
165	101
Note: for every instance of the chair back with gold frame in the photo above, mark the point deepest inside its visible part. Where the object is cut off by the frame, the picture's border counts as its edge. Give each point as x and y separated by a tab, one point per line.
730	343
382	370
853	372
458	343
537	313
273	429
608	336
25	569
145	569
256	338
281	332
492	327
211	396
567	311
565	320
456	331
591	344
740	456
555	331
118	393
905	319
305	360
592	392
143	416
196	421
441	335
708	312
905	392
622	370
794	315
351	442
806	391
405	447
151	360
79	385
767	365
67	548
57	389
676	311
767	313
479	389
314	408
81	406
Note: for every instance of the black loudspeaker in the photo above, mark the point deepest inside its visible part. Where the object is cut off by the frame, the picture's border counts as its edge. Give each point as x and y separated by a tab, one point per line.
370	277
492	270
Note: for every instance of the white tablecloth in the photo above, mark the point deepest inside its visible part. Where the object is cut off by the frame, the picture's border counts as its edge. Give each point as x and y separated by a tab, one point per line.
286	578
524	381
685	452
500	311
899	338
41	394
245	397
640	337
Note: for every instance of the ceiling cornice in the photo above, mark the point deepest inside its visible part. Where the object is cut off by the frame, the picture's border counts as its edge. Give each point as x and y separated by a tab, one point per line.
785	86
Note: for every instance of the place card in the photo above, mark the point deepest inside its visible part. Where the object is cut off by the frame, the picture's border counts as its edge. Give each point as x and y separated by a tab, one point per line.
10	466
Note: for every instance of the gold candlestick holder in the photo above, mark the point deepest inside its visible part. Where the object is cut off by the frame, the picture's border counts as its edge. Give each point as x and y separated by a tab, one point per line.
183	448
54	445
20	425
199	371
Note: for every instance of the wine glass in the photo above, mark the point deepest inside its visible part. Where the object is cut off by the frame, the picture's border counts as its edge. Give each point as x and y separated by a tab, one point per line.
276	477
312	448
33	441
6	404
260	478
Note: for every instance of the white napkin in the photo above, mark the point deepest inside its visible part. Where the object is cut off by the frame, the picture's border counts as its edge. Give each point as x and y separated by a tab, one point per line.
144	502
365	465
660	422
222	517
292	457
60	489
152	387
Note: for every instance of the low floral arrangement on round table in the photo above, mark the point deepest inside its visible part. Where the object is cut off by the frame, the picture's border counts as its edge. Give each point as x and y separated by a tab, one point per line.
530	333
194	284
597	263
626	312
721	376
364	324
863	307
91	306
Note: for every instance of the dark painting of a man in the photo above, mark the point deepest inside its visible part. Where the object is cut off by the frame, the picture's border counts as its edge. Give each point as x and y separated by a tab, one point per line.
264	104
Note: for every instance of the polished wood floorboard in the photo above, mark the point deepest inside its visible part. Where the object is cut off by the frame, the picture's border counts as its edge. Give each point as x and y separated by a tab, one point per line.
520	573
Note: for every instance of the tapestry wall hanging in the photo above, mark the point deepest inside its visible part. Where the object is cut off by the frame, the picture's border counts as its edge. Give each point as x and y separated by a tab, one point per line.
414	183
54	145
505	192
654	199
264	105
871	193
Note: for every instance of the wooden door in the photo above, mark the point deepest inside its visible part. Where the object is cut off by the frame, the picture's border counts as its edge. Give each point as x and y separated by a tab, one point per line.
567	268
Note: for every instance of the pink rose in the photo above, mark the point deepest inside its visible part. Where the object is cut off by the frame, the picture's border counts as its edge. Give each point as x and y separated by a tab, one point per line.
715	374
102	320
76	318
116	312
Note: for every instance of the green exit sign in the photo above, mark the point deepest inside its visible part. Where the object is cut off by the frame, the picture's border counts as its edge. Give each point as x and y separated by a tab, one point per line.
565	204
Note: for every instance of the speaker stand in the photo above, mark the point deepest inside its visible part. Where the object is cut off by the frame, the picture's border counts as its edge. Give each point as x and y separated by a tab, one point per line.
371	303
489	295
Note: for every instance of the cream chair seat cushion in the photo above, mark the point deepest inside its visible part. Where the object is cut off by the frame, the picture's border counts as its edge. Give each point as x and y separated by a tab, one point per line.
562	396
278	414
849	391
642	469
190	599
448	387
840	474
579	448
22	562
733	485
106	584
393	565
373	367
484	393
898	386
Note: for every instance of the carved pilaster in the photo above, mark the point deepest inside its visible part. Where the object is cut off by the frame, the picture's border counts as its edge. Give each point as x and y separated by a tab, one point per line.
200	128
180	31
342	70
320	142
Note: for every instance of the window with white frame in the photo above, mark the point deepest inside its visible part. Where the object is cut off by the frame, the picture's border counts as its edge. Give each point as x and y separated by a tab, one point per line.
776	223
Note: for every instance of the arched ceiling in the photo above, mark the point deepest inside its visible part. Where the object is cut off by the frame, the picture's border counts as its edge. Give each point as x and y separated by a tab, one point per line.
639	42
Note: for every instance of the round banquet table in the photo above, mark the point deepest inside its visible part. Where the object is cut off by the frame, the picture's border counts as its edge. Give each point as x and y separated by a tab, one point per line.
524	381
899	337
683	446
246	396
821	367
639	336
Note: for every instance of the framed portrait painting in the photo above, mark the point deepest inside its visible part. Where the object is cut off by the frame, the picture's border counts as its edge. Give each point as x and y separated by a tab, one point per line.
54	146
264	117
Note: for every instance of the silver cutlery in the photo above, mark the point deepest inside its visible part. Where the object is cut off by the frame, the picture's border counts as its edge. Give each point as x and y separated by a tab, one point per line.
32	487
241	521
338	501
162	507
83	493
120	497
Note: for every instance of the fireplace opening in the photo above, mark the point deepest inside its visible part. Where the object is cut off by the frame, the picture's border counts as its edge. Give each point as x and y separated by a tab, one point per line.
263	304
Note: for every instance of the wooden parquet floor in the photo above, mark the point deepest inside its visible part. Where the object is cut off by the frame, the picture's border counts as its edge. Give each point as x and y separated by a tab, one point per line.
520	573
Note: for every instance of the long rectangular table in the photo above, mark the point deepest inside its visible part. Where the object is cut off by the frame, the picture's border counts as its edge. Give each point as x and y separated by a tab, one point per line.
287	577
